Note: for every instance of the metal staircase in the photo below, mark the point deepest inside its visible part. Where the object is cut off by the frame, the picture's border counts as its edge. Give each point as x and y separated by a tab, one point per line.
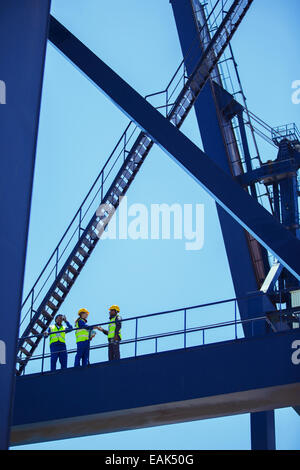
83	246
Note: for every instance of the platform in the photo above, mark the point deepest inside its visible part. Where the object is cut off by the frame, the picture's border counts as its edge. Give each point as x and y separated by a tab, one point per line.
220	379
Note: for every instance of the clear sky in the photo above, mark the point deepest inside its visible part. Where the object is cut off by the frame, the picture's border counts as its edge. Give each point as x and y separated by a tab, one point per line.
79	127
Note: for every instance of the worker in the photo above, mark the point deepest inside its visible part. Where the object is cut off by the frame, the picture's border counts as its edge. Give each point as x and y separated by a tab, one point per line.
58	349
83	334
113	333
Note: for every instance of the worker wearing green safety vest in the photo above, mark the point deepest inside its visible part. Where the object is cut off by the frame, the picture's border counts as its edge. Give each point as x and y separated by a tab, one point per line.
84	334
57	337
60	336
113	333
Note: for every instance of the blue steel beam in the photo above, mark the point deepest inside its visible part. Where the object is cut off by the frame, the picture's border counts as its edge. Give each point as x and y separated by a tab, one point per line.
236	242
160	388
271	172
23	37
212	98
262	431
234	200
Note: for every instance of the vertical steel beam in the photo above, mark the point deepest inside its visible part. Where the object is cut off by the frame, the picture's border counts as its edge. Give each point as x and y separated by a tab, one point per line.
23	39
288	189
236	245
263	431
235	241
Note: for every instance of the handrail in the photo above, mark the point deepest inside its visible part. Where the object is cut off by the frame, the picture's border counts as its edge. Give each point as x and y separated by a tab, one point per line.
157	336
183	331
166	312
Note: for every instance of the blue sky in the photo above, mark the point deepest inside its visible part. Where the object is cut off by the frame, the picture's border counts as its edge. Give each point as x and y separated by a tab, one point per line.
78	129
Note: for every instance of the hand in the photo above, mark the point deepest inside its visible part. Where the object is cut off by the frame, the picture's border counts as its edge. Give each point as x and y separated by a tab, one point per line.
64	318
45	334
100	328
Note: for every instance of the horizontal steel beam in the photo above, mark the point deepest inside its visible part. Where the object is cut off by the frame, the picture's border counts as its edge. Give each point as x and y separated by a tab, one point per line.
236	377
226	192
271	172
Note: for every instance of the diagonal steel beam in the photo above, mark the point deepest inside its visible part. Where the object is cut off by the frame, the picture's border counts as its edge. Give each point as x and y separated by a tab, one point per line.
226	192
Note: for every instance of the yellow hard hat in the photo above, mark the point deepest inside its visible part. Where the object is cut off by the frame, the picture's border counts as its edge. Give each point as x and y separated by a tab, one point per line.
115	307
83	310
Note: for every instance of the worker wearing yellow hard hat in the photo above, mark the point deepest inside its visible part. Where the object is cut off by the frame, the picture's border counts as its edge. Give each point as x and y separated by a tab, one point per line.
84	333
113	333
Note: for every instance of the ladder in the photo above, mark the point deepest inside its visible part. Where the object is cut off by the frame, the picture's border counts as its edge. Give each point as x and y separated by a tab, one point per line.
65	278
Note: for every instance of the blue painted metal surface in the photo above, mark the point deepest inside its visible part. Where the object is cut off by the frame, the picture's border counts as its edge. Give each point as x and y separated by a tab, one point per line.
235	241
217	183
289	190
194	315
262	431
235	377
23	36
42	315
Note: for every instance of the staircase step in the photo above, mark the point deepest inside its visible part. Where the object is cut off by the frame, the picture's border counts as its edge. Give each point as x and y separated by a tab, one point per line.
20	361
77	261
29	341
41	324
126	174
83	252
63	288
47	315
86	242
57	296
68	279
52	306
122	183
34	331
27	353
72	269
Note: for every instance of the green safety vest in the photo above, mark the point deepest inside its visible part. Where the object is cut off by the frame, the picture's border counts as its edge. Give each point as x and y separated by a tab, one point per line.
82	334
112	327
60	335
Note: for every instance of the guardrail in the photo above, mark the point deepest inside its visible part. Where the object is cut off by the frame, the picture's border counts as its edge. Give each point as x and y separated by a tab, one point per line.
190	333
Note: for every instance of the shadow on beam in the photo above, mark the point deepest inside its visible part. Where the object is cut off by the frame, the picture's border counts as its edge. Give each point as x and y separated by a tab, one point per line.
220	379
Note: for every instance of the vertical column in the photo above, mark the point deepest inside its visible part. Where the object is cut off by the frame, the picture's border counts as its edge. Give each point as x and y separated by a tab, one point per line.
235	241
288	191
263	431
23	38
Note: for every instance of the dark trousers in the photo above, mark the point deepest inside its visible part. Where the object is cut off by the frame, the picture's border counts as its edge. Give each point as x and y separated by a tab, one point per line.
113	350
83	353
58	351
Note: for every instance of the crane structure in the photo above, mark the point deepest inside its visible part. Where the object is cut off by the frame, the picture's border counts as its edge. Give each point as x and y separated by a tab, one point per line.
265	227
